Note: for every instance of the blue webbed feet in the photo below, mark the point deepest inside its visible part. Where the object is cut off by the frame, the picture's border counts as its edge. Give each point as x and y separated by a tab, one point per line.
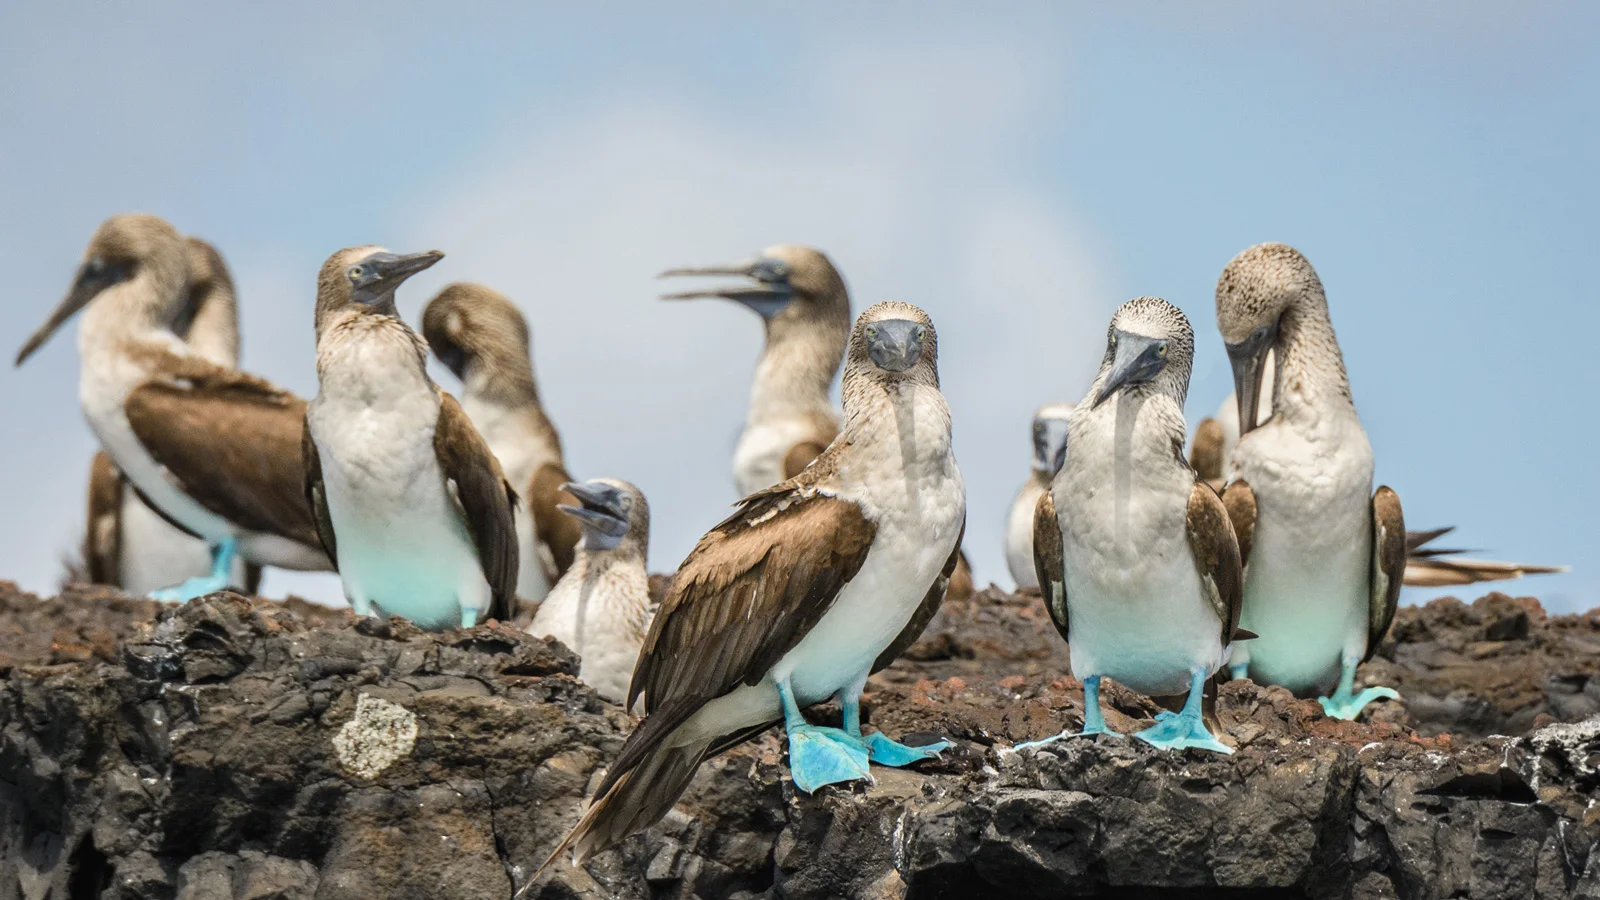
189	590
1175	731
1094	721
886	752
1345	702
819	756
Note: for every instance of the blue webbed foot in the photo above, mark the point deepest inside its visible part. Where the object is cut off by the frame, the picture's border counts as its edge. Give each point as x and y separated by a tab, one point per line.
1342	705
1175	731
1086	732
189	590
1094	721
820	756
886	752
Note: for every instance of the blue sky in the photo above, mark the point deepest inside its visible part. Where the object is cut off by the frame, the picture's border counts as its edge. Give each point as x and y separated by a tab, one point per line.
1018	172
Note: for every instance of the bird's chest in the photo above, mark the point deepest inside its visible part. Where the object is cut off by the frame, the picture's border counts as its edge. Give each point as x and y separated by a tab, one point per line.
376	441
1312	488
1122	507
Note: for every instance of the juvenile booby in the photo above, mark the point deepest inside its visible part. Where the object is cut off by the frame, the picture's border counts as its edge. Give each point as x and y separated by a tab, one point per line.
1324	554
1426	565
805	309
1136	557
127	544
480	335
409	501
800	593
215	450
601	607
1049	451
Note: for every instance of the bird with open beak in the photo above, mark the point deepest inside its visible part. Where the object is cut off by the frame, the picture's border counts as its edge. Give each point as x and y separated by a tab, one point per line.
802	593
601	607
214	450
409	501
1324	554
1136	557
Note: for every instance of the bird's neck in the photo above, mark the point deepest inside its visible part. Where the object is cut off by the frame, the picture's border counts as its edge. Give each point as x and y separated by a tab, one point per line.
1311	380
214	331
142	309
503	383
794	374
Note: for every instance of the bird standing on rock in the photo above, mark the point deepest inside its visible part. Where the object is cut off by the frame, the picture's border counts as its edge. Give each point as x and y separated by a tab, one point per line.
215	450
800	594
127	544
480	335
601	607
1324	554
409	501
1049	451
1136	557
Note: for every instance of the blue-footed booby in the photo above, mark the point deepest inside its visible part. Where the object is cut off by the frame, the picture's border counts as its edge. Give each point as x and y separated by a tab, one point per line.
409	501
805	310
1324	554
1426	564
601	607
1049	451
801	593
481	336
1136	557
127	544
214	450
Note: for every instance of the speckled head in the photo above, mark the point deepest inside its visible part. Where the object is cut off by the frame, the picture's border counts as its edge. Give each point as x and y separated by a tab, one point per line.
612	512
365	278
471	326
125	247
894	341
1149	346
1255	291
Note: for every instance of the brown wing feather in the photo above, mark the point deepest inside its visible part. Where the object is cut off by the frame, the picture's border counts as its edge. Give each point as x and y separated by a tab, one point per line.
231	441
102	542
745	596
800	456
1388	565
1048	565
1240	501
1205	453
317	496
1216	555
487	502
931	601
552	528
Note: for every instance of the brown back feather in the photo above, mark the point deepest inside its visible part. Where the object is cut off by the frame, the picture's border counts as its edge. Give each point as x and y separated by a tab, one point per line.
1216	555
1388	565
487	502
1240	502
102	544
552	528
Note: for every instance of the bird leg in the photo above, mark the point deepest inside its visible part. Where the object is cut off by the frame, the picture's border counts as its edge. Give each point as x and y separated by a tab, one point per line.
1094	721
1239	671
222	554
1174	731
469	616
1345	703
880	748
820	755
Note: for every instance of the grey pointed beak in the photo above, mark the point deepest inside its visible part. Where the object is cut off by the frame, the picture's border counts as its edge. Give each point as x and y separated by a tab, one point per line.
93	277
1136	360
1249	361
895	345
770	295
394	269
601	508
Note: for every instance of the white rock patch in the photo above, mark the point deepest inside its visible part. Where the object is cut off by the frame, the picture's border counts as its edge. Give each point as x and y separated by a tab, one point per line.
380	734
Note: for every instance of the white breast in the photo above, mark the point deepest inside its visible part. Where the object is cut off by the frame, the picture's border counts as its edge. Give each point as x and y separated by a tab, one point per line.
1136	607
1019	534
600	611
1307	583
401	543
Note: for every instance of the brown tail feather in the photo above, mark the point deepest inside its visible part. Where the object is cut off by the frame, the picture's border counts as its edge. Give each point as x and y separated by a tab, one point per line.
1454	571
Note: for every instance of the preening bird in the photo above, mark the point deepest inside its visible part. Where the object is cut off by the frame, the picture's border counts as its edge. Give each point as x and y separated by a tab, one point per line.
481	336
1049	451
799	595
410	502
215	450
1324	554
127	544
1135	555
601	607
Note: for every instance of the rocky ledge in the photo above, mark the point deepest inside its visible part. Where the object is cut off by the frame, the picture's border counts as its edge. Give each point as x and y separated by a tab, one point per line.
236	748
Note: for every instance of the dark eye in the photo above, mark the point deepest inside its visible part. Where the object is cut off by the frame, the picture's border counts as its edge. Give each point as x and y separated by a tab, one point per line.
1260	334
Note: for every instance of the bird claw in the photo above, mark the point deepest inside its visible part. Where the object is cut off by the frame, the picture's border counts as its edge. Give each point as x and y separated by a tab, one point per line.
1175	731
820	756
1342	705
